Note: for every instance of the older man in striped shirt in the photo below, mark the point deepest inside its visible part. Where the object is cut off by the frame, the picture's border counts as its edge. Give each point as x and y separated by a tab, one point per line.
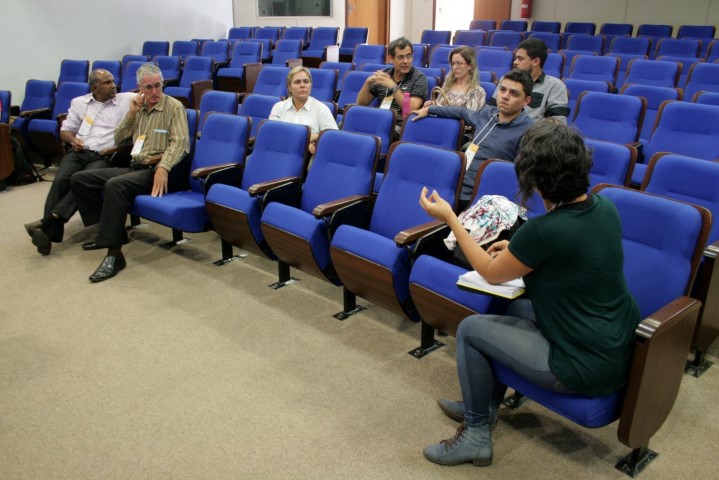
157	126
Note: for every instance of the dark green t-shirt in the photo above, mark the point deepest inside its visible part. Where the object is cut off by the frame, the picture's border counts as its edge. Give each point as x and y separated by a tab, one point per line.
579	294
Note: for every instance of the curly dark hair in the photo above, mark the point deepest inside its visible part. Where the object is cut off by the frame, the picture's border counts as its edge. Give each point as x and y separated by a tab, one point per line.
554	161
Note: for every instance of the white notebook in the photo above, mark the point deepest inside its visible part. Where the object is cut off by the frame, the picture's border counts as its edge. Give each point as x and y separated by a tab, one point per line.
474	281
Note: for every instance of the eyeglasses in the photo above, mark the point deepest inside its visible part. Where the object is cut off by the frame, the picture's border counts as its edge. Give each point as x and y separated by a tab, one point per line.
458	64
402	58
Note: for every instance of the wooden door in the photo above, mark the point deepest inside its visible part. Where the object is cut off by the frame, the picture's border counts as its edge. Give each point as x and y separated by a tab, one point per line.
497	10
373	14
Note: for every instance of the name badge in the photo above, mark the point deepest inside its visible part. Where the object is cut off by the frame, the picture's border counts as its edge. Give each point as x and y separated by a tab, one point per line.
470	153
387	102
137	147
85	126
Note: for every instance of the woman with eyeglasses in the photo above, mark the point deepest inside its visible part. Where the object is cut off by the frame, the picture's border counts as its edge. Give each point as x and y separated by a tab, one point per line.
461	87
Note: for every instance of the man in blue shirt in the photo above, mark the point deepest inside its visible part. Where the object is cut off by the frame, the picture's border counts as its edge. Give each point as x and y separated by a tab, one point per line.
498	129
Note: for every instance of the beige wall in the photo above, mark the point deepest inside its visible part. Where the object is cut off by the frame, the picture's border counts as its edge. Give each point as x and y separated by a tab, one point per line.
672	12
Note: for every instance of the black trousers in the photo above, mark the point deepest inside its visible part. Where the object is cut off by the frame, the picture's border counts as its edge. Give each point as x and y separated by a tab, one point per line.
60	200
110	209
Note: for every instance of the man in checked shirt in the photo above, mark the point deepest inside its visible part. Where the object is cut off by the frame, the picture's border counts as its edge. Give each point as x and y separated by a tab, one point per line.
157	126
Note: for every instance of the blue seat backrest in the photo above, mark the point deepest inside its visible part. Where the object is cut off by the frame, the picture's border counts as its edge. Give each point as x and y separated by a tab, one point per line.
616	29
515	25
686	128
655	30
272	80
410	167
553	41
587	28
38	94
470	38
506	39
5	102
435	37
216	101
271	158
652	72
321	38
341	67
687	179
224	140
706	98
239	33
218	50
257	107
286	50
589	43
64	95
366	53
497	61
434	131
299	33
270	33
498	177
324	84
489	88
655	96
547	27
196	68
637	46
554	65
678	47
129	76
610	117
588	67
192	115
649	238
351	37
73	71
576	87
702	77
155	48
185	49
372	121
611	162
439	58
334	174
485	25
246	52
351	86
420	52
169	65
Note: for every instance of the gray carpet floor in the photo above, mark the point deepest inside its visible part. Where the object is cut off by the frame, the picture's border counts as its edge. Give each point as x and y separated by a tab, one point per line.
178	369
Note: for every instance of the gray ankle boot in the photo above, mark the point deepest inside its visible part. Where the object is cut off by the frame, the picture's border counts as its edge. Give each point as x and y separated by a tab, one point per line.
469	444
455	411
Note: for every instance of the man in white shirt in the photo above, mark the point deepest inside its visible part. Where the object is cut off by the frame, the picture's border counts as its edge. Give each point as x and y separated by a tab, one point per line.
301	108
89	131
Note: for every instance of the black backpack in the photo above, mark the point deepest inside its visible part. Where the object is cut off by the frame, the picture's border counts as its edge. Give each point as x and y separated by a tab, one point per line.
25	172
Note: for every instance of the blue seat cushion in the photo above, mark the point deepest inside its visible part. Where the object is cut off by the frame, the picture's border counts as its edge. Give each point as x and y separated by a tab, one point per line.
180	210
237	199
379	250
591	412
42	125
440	277
301	224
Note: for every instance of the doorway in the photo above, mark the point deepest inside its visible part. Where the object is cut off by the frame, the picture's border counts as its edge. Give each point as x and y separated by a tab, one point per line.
373	14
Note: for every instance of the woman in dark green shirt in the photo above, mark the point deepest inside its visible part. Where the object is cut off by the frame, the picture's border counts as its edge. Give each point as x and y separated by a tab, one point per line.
575	333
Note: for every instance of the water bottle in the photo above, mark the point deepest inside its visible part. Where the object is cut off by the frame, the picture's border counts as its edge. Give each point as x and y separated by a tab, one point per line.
406	104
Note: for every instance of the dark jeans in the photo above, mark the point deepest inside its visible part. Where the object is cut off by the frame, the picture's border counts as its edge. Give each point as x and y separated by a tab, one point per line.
513	340
60	200
120	186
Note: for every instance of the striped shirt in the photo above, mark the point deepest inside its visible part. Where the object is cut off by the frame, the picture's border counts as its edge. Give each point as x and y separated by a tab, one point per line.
165	130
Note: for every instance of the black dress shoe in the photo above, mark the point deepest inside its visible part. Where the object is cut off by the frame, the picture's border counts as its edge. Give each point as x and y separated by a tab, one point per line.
39	238
108	268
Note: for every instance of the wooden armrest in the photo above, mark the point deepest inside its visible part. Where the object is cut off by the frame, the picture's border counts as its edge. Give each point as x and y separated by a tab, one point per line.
260	188
656	370
203	172
706	290
327	209
411	235
32	113
196	90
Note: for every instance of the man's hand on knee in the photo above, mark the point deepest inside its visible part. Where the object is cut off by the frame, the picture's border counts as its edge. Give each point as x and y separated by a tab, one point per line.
159	186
